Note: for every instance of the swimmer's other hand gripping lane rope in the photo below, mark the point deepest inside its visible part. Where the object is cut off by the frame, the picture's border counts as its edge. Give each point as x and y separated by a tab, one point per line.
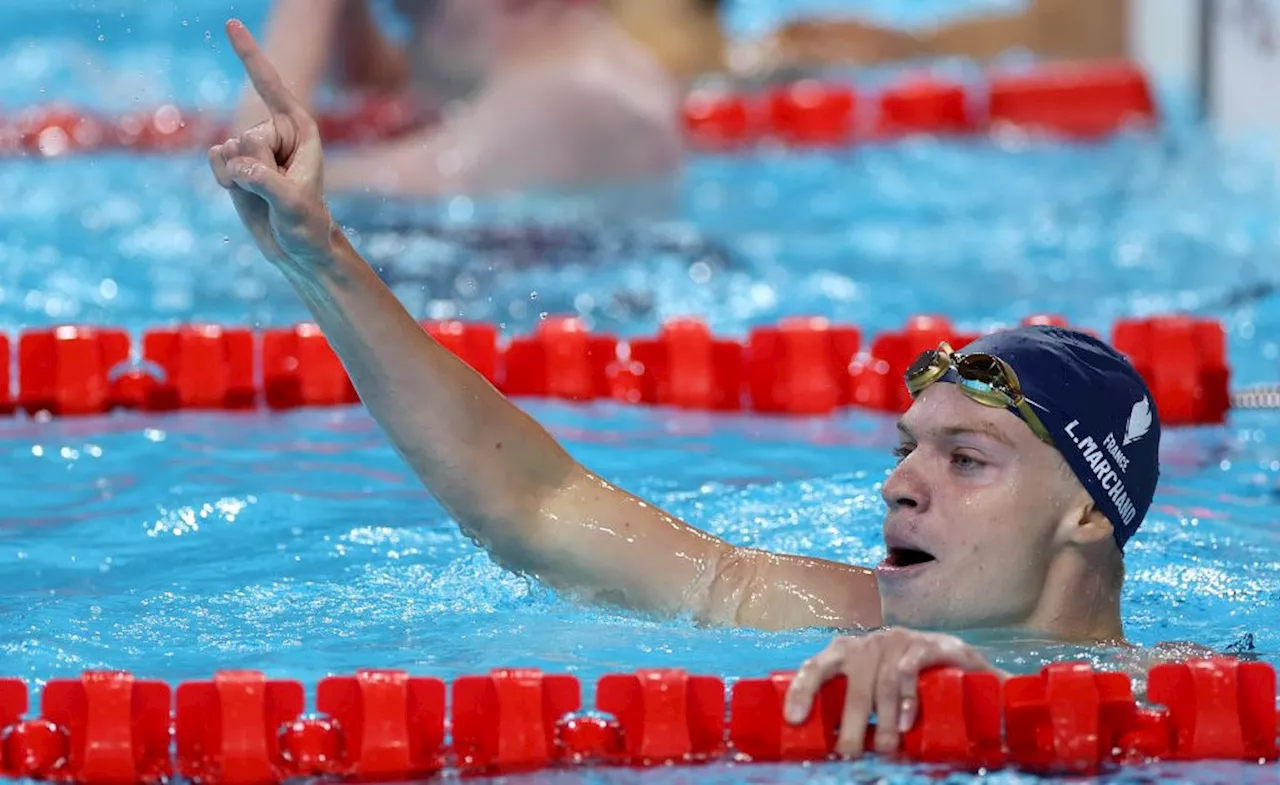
381	725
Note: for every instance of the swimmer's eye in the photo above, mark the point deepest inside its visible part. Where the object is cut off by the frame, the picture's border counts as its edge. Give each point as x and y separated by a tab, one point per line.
901	451
966	462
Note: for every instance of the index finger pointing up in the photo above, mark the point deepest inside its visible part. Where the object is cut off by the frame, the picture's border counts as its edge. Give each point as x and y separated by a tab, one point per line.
266	80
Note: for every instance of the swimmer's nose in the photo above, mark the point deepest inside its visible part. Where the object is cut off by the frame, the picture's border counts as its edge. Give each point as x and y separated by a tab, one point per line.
904	489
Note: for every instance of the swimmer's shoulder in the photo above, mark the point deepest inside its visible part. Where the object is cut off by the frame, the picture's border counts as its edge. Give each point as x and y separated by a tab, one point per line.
591	118
611	83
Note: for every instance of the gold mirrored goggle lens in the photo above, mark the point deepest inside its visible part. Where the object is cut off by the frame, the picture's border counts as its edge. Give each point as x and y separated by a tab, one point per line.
980	374
986	379
928	368
983	377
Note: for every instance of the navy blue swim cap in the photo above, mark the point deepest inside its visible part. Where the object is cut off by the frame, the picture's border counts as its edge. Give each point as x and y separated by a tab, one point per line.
1097	409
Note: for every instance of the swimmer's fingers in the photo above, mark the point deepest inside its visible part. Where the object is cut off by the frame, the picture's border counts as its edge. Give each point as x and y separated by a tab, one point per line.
220	158
809	678
265	180
892	683
218	164
899	710
923	655
266	80
260	142
294	135
856	660
895	685
860	667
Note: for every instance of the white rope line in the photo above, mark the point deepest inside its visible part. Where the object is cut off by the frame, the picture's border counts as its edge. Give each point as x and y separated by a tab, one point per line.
1259	397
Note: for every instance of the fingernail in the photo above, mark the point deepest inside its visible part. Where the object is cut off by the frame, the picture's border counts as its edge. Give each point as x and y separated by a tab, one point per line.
906	716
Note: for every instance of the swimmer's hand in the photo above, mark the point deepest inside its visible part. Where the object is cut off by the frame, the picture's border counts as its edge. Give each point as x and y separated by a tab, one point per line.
882	670
274	171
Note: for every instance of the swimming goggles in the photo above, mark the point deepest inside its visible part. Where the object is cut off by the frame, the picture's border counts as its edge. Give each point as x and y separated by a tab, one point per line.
984	378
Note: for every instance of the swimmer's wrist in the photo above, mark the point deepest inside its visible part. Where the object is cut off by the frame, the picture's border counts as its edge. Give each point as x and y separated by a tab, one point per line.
331	260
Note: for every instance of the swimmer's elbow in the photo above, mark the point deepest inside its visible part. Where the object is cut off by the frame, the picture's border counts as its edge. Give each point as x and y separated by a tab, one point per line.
731	596
768	591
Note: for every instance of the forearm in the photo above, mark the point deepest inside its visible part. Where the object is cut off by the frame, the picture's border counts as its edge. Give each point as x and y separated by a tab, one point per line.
367	57
983	38
488	463
1054	29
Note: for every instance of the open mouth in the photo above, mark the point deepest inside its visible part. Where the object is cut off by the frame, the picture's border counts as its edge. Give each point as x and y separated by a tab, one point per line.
907	557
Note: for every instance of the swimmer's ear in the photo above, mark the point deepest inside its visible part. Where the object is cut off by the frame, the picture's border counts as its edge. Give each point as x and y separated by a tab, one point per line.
1091	525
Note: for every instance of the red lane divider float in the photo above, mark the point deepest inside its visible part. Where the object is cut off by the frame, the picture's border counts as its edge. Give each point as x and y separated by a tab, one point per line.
688	368
925	106
63	370
58	130
1077	101
1080	101
204	367
1191	372
800	366
1086	102
507	721
386	725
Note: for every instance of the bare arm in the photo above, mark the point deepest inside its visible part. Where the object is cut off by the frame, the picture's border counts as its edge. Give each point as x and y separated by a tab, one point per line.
522	497
1055	29
507	482
367	57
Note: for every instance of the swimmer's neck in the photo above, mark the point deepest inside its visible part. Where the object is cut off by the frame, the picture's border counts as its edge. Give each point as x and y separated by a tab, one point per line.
1079	603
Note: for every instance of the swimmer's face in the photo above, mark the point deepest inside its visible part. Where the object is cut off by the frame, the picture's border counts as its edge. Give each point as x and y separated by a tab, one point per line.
982	504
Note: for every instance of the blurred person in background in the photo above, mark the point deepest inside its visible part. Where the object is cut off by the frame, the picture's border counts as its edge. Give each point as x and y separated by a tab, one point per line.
565	93
530	93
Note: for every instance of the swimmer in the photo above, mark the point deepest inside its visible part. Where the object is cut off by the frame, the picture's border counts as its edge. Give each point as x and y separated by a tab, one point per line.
532	93
1025	465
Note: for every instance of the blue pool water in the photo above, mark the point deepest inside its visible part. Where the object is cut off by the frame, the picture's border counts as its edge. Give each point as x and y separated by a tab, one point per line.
172	546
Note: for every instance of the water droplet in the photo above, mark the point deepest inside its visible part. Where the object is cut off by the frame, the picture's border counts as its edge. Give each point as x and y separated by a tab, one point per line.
700	272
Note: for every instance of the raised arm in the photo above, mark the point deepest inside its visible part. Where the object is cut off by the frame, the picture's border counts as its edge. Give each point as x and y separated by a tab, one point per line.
506	481
366	57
